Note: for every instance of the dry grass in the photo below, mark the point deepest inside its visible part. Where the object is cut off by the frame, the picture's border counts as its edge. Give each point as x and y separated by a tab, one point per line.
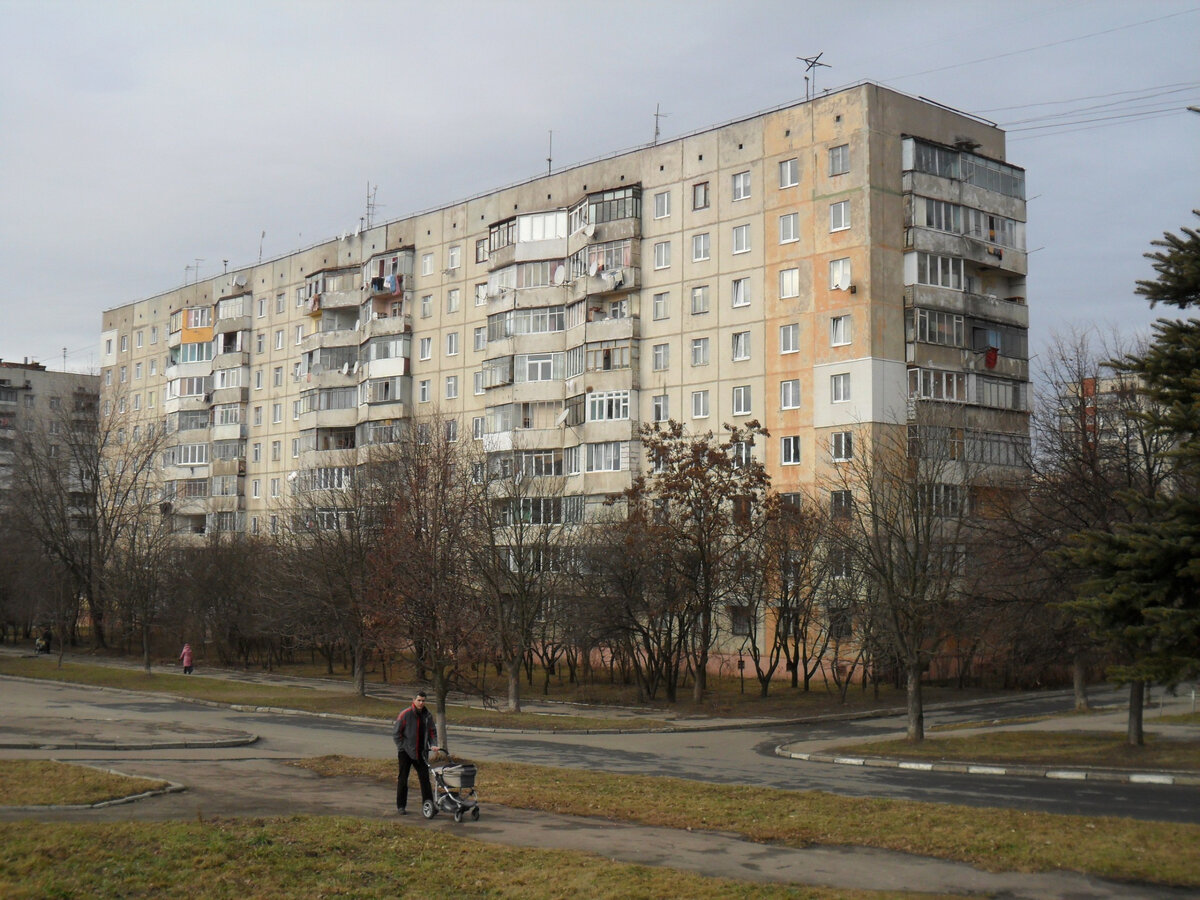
29	782
993	839
1074	748
307	857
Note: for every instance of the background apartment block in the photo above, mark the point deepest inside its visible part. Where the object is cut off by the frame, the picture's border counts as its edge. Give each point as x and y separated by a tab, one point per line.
822	268
42	405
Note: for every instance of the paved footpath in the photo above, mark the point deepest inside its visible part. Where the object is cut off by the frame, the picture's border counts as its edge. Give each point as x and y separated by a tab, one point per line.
219	783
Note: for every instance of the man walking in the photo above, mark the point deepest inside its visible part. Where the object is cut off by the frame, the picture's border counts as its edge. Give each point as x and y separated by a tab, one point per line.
415	736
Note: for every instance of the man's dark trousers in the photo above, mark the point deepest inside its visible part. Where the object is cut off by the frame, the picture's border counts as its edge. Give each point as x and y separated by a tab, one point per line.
422	767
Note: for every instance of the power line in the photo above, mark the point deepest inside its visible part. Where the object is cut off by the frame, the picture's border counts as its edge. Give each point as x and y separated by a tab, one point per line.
1155	87
1069	129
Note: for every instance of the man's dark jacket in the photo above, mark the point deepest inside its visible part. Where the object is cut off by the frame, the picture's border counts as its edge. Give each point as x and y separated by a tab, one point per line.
405	728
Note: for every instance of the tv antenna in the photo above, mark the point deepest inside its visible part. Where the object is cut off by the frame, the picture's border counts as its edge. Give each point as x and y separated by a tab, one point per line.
811	64
658	115
550	154
369	219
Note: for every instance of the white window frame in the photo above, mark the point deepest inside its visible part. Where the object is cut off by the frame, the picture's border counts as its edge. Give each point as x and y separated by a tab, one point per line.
451	387
841	446
840	331
425	348
426	263
700	300
840	274
480	337
660	408
662	255
423	390
742	400
661	357
740	292
839	215
789	172
789	393
700	405
789	283
700	355
454	257
741	186
839	159
741	239
789	338
789	228
839	388
662	306
789	450
741	346
701	247
662	205
452	344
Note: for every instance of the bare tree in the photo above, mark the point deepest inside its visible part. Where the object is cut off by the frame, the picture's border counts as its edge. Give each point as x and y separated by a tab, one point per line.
423	587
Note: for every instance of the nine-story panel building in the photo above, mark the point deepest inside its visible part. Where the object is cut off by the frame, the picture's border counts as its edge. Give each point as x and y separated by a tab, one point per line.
821	268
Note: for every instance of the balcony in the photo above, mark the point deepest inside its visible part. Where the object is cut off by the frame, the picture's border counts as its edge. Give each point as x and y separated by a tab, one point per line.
1006	310
380	325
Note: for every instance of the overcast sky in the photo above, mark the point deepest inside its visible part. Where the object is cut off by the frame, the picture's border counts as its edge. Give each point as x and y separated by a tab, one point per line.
139	137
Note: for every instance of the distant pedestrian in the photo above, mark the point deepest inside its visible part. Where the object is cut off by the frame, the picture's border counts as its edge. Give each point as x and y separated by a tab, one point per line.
47	638
415	735
186	658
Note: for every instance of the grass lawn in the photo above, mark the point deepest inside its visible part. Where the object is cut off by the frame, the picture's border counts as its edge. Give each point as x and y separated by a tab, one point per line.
994	839
307	857
34	782
334	700
1074	748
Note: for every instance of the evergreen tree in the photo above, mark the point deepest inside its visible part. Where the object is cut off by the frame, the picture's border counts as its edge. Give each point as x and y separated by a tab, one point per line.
1143	593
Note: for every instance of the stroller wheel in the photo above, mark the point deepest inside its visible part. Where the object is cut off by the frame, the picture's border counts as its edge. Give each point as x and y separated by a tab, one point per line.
458	815
428	810
475	813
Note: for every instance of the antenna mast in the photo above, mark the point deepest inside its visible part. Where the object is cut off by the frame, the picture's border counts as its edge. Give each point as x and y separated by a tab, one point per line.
550	151
371	206
811	64
658	115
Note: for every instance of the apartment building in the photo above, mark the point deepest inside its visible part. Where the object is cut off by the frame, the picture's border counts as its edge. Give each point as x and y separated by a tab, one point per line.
824	268
43	405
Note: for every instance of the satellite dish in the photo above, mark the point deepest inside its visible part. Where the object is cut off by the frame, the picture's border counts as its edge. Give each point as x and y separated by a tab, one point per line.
560	274
562	417
589	229
593	268
292	476
240	281
345	368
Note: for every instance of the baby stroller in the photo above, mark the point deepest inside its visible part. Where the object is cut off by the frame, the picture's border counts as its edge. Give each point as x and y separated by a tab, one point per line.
453	792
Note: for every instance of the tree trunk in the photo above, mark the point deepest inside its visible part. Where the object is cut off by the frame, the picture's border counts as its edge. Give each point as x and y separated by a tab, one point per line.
1135	737
916	710
440	689
360	670
146	648
701	682
1079	680
513	670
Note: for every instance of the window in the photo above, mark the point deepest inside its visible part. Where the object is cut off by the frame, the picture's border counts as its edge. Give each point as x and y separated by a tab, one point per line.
454	257
423	390
789	338
660	408
699	404
789	228
789	283
451	387
277	376
789	450
154	367
742	454
839	331
741	400
481	294
660	306
604	457
426	348
125	370
789	394
789	173
940	271
839	387
452	344
662	255
478	379
841	446
259	341
699	300
700	195
741	185
276	450
839	159
280	303
153	334
540	366
477	426
480	337
427	264
453	300
274	487
276	413
662	205
840	503
700	247
481	250
839	215
137	369
741	345
740	290
427	306
661	356
700	351
256	488
839	274
279	339
608	406
741	239
451	430
295	448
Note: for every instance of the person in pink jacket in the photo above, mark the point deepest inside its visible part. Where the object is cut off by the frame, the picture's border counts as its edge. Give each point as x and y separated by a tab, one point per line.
186	658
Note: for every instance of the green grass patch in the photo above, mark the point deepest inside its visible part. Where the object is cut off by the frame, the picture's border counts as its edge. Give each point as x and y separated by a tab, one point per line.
993	839
337	699
1046	748
30	782
1178	719
308	857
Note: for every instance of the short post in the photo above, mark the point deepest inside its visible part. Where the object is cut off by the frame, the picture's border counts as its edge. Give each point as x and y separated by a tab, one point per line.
742	671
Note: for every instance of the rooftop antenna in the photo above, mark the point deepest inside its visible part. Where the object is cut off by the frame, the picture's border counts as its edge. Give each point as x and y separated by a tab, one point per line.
64	359
369	219
811	63
550	151
198	261
658	115
225	263
260	243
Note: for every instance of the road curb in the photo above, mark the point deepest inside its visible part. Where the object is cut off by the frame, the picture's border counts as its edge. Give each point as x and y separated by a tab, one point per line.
172	787
979	768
